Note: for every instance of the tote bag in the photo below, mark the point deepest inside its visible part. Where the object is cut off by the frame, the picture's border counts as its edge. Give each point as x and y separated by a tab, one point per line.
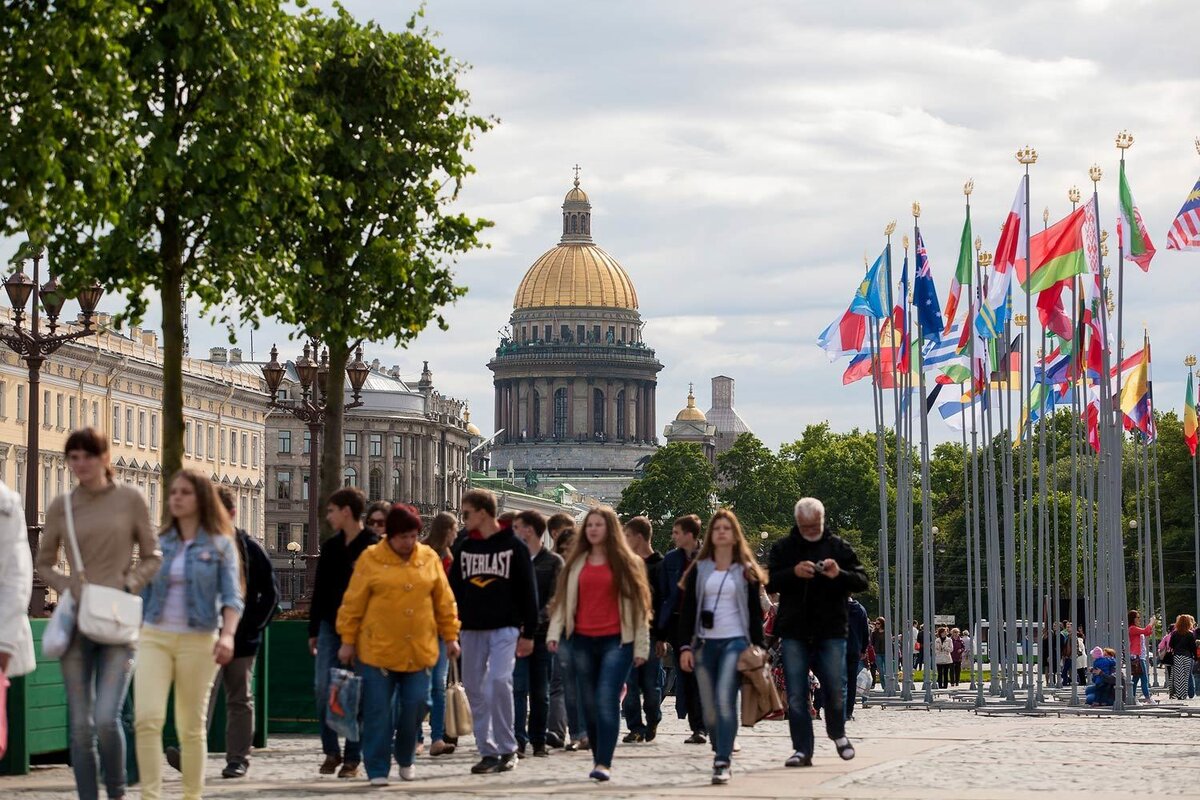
104	615
458	711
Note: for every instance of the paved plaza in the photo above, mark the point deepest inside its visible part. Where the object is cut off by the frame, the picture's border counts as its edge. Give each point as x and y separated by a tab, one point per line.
902	753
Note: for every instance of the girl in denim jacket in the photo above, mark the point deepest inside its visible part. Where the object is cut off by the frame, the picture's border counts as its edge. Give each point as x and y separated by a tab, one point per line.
191	613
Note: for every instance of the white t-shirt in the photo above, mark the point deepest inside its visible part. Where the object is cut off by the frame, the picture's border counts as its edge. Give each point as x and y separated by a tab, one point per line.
727	617
175	609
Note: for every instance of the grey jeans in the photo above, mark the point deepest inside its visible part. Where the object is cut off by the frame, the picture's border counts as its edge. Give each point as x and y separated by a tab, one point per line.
488	659
237	677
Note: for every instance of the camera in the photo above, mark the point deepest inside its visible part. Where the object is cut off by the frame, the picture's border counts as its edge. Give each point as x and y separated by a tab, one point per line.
707	618
820	566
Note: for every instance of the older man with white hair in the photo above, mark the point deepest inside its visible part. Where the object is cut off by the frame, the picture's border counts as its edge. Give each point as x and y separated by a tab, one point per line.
814	572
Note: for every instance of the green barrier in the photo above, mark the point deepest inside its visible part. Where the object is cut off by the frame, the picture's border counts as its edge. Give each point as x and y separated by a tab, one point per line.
290	673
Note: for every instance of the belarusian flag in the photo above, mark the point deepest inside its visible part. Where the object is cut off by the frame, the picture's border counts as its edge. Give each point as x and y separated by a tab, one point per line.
1136	246
1189	418
1057	253
962	274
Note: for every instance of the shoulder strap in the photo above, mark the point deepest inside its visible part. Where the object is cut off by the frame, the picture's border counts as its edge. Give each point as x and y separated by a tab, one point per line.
71	540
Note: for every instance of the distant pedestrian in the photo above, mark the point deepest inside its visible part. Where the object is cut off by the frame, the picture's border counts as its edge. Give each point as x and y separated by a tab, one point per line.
943	656
440	538
643	689
857	641
968	652
879	644
1183	646
531	677
602	608
956	656
1138	636
814	571
376	517
112	523
686	535
722	616
565	724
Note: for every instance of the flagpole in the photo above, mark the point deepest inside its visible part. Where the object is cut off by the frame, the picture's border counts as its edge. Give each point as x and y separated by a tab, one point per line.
996	630
1190	363
927	570
1043	514
1124	141
975	627
1076	386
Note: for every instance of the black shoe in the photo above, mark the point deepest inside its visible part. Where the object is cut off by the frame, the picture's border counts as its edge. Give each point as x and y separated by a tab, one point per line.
798	759
554	740
486	766
235	769
632	737
173	758
651	732
508	762
696	738
521	751
540	751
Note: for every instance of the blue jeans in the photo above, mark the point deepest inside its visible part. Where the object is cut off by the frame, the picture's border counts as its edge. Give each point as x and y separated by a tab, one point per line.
643	692
96	678
1143	679
718	680
564	705
601	664
827	659
436	702
531	695
328	643
393	704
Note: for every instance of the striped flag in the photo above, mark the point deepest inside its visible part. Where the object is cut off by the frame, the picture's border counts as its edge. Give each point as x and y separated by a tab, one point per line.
1137	246
1185	231
962	274
845	336
994	311
1189	418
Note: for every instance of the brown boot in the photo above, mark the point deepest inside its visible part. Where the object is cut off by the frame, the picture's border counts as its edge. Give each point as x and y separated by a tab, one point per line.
349	770
440	748
332	762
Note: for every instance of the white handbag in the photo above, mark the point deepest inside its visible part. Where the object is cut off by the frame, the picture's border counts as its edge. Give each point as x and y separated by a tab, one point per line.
103	614
61	628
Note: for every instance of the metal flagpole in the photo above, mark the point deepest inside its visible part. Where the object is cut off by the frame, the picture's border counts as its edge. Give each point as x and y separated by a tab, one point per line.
1028	156
1079	356
1190	363
927	577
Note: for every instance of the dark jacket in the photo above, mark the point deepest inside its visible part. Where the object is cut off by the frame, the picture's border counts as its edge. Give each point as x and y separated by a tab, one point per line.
546	566
494	584
858	634
813	608
335	565
686	632
653	567
262	595
670	572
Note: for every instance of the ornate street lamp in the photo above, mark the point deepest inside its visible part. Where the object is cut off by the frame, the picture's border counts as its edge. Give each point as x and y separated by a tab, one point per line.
311	408
34	347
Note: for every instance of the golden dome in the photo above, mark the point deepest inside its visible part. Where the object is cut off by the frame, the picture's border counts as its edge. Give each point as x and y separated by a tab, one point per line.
472	428
576	195
576	274
691	413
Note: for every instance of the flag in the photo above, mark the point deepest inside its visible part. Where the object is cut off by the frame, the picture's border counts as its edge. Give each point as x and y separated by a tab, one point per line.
900	318
1140	249
1189	417
1185	231
1135	395
1057	254
929	310
845	336
962	274
959	414
859	368
937	354
994	311
871	298
1006	364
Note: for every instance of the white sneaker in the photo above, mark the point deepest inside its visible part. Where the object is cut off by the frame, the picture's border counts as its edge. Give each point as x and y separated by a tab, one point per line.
379	781
408	773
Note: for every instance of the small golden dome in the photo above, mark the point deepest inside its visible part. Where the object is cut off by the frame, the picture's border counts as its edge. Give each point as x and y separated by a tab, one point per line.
472	428
576	274
576	195
691	413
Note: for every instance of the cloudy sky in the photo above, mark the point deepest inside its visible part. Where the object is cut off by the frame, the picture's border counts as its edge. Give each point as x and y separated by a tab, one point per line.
741	158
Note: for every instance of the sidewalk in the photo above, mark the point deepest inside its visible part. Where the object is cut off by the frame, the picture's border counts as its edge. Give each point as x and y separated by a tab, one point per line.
902	754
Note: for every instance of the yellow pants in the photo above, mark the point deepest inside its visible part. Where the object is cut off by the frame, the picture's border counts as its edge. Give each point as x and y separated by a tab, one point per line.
185	660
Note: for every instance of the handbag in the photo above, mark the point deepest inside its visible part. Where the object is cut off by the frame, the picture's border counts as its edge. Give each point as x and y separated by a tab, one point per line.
104	614
61	627
1135	667
459	721
345	696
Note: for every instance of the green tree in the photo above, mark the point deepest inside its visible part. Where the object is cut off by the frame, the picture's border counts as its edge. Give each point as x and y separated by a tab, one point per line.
756	484
146	141
677	480
375	234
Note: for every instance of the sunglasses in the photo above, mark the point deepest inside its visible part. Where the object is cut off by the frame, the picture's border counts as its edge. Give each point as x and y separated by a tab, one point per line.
376	521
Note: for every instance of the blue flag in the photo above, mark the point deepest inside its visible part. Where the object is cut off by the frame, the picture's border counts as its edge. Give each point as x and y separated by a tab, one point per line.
871	298
925	299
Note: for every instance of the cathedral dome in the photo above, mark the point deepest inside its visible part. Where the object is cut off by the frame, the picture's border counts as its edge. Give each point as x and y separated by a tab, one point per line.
577	272
691	413
472	428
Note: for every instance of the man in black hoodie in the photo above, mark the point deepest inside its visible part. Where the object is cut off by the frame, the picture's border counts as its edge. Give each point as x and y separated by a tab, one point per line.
814	572
643	688
493	581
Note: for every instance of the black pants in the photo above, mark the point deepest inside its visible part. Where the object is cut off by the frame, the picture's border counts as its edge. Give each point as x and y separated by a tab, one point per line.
943	675
687	695
955	673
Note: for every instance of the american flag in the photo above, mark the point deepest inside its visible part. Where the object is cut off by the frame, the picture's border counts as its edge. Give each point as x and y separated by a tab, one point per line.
1185	232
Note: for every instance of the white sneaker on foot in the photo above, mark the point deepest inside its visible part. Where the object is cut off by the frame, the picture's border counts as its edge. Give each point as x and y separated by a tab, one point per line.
379	781
408	773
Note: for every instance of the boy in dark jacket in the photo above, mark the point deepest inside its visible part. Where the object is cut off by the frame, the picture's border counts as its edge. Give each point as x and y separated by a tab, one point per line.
814	572
531	678
686	535
643	687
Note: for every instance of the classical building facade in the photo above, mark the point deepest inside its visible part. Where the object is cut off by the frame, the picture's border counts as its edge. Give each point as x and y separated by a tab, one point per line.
406	443
691	425
574	381
113	382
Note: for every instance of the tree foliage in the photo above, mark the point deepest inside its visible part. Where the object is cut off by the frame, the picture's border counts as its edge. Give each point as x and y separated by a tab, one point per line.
677	480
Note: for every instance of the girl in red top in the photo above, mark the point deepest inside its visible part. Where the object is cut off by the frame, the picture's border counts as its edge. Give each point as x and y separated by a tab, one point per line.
1137	657
602	606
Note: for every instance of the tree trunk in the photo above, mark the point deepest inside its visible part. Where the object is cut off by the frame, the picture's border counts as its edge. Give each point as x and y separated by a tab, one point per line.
331	443
171	251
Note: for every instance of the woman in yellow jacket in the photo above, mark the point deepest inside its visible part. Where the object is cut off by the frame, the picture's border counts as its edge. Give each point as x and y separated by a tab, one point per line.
397	605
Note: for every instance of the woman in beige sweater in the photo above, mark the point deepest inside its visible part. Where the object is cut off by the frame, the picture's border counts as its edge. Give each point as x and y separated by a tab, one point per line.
119	548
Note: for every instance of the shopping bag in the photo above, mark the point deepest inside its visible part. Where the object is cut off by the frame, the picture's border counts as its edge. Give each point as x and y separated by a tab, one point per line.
345	694
61	628
4	684
458	710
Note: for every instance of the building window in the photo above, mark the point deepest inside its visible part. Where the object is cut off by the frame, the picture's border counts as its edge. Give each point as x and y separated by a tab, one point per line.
95	414
282	536
245	449
397	447
307	441
252	527
46	408
376	484
580	332
233	450
350	447
549	328
72	417
596	332
621	414
116	423
45	487
396	493
375	446
20	403
564	332
242	511
153	500
283	485
3	399
304	486
560	413
212	442
141	428
254	450
537	415
128	425
598	412
285	441
350	476
154	431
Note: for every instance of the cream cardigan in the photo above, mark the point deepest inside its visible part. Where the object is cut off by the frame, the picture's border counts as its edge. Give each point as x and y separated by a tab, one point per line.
634	625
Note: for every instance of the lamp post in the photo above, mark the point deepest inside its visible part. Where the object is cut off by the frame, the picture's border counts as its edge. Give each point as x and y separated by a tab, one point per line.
34	347
294	549
311	407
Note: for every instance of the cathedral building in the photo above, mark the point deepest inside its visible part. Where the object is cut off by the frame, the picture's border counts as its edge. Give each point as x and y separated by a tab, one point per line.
574	381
